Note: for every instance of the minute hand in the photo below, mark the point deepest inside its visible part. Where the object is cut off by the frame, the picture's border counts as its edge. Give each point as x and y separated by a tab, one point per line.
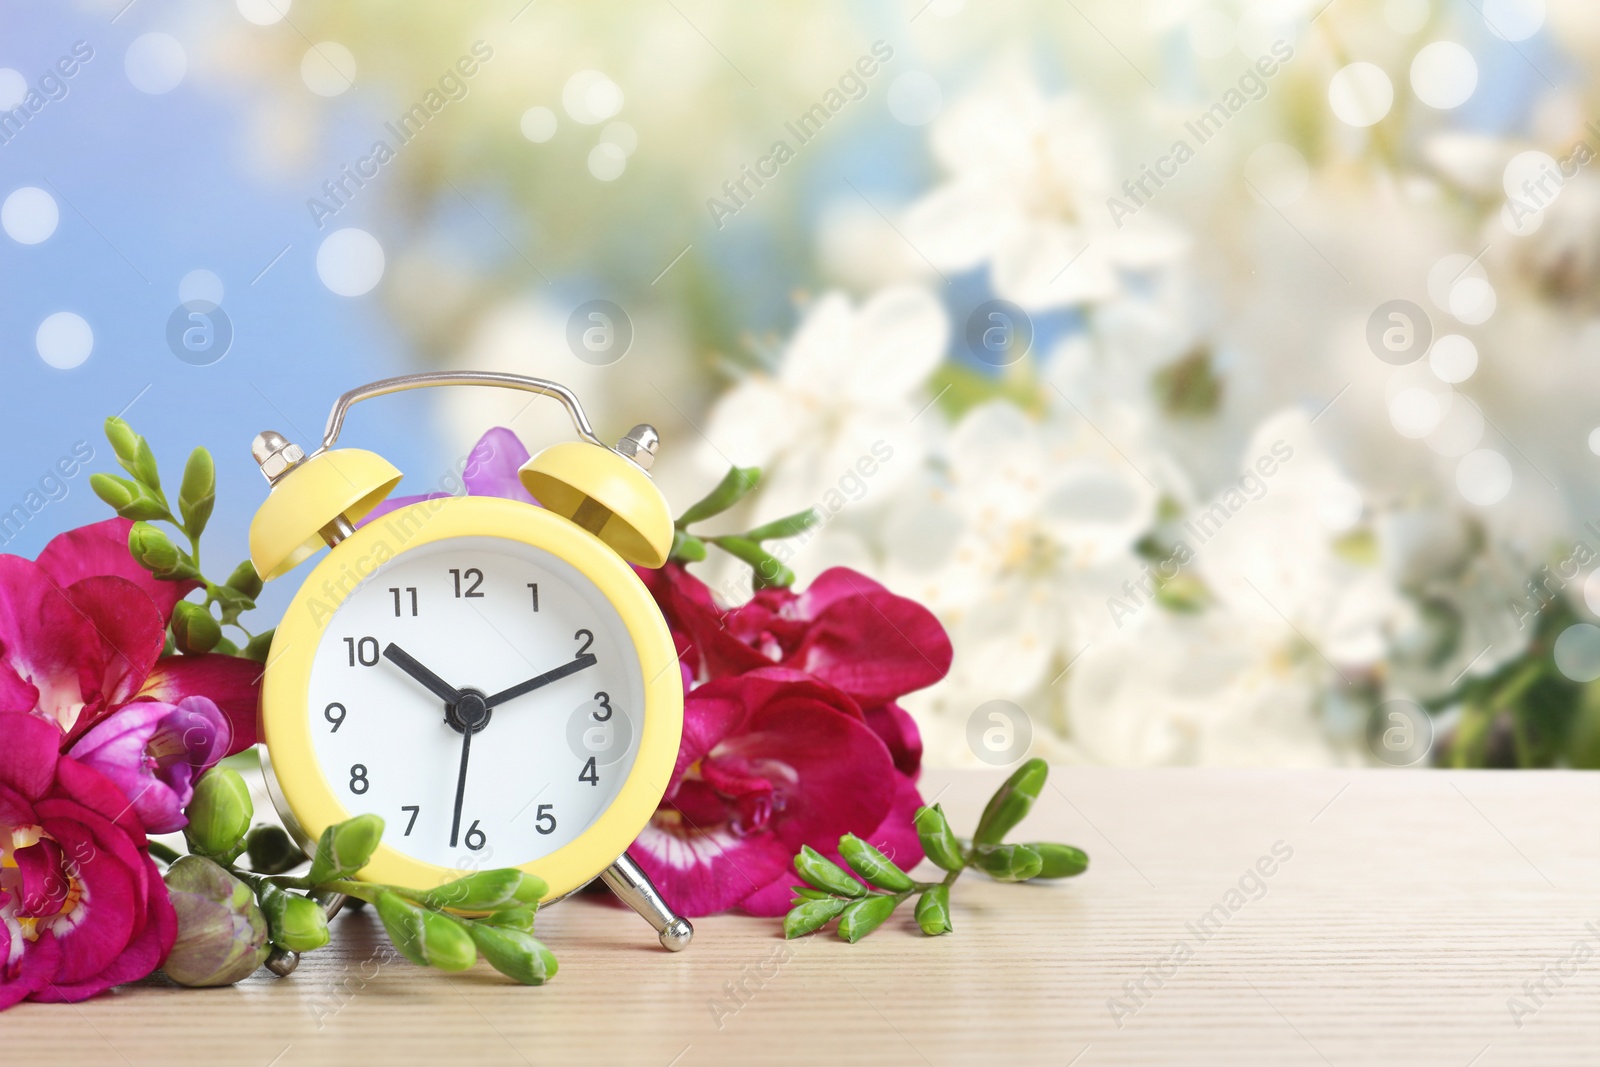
581	663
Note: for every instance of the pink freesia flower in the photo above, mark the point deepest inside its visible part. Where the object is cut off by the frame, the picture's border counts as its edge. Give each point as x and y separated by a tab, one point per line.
82	907
845	629
770	760
81	634
153	752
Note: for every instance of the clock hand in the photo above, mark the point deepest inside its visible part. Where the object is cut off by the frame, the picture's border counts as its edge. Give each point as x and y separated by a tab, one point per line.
430	681
461	784
582	662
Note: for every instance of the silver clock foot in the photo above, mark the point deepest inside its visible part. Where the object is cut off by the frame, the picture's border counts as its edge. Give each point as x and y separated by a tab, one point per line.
633	886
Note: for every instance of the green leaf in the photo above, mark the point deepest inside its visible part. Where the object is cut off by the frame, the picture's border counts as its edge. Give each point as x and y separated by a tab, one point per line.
198	494
770	573
734	485
1011	802
1009	863
864	916
873	865
1059	861
825	874
788	526
938	840
933	911
812	915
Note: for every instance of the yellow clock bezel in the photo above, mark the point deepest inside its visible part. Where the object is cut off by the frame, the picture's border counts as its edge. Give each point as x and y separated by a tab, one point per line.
309	803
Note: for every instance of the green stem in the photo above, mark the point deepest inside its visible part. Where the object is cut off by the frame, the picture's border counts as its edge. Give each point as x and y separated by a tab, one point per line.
163	853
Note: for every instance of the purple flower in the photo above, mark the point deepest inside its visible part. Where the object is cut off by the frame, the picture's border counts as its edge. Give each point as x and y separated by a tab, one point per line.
490	470
154	752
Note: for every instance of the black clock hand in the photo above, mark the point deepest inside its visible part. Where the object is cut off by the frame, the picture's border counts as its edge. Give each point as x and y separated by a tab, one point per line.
582	662
430	681
461	784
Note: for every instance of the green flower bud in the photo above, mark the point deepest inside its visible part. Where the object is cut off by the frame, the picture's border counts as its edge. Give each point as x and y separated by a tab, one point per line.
873	865
1059	861
245	579
514	953
426	938
805	892
938	840
734	485
861	917
811	915
788	526
272	850
933	911
156	553
259	647
124	442
1009	863
487	890
298	923
824	874
345	848
513	918
194	629
219	815
687	548
198	493
130	499
144	466
1011	802
222	935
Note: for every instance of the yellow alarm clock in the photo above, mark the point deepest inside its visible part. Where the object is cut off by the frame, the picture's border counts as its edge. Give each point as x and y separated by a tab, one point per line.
488	676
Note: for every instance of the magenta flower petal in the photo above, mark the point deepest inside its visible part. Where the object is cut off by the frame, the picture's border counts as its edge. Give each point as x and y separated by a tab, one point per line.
45	644
131	632
101	548
28	746
233	684
153	752
43	885
492	466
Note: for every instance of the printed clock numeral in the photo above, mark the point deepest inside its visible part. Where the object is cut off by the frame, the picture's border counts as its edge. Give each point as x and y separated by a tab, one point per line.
358	778
410	589
544	820
589	773
605	705
334	713
472	575
475	838
587	638
364	651
413	809
534	588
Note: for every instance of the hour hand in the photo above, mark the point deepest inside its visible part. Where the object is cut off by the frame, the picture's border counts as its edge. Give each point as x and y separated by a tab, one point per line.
430	681
583	661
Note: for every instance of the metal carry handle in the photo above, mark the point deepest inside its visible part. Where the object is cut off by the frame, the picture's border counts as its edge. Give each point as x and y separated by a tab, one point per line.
385	386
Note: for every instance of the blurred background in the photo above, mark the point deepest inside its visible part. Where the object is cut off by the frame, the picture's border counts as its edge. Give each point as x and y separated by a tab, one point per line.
1221	372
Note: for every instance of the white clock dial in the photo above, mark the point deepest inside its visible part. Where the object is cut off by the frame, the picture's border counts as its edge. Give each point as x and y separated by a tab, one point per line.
550	722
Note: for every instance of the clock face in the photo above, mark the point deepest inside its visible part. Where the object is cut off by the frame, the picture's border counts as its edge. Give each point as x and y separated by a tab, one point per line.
549	718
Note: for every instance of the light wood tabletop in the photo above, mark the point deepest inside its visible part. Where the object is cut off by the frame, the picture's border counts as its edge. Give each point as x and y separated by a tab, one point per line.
1228	917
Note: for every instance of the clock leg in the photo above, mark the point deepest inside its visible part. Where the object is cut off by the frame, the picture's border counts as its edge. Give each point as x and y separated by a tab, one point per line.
629	882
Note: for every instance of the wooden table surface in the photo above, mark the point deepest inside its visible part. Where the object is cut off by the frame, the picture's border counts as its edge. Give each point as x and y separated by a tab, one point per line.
1403	913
